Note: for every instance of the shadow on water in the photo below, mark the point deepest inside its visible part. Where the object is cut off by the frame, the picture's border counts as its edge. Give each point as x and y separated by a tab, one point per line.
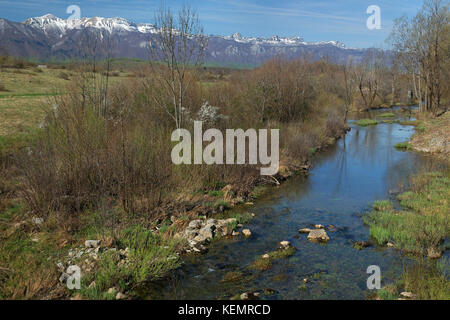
346	179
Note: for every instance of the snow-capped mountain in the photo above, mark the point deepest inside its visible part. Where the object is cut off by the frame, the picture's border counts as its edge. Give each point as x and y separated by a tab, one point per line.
50	36
49	23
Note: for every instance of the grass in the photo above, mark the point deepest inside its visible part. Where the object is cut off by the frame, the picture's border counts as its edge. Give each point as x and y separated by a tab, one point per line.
232	276
414	123
151	257
215	193
387	115
432	134
28	94
428	280
388	293
366	122
382	205
241	218
423	223
403	145
262	264
27	267
390	121
258	191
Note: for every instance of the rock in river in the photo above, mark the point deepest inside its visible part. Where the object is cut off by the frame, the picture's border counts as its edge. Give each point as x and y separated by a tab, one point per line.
247	233
285	244
318	235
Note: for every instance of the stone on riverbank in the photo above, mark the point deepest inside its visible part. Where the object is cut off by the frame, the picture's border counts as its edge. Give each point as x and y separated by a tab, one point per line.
92	243
200	232
434	253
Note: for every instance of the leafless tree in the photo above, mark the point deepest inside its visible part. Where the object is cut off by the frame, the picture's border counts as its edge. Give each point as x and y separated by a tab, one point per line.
178	45
422	45
367	78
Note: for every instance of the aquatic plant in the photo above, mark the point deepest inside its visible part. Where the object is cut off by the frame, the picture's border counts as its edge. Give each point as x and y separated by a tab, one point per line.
366	122
403	145
387	115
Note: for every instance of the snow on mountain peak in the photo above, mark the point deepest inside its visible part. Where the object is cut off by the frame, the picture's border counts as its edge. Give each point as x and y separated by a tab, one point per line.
277	40
52	24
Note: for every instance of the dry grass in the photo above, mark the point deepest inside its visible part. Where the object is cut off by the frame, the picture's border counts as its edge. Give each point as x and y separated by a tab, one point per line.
434	137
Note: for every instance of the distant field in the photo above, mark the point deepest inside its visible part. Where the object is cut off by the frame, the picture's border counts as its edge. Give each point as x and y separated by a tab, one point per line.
28	94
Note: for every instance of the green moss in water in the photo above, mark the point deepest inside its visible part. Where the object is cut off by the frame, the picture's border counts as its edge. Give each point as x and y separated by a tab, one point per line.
403	145
261	264
232	276
366	122
387	115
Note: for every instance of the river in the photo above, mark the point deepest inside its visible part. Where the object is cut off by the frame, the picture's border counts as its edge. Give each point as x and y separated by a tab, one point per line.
345	180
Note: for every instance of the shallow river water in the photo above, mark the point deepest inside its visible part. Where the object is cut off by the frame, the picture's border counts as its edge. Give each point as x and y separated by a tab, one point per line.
346	178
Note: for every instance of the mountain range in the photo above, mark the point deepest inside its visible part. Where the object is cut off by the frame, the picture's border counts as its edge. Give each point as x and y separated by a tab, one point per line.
49	37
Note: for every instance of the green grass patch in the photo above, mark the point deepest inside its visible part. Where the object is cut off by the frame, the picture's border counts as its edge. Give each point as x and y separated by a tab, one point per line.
28	267
150	257
382	205
258	191
387	115
390	121
215	193
262	264
423	223
403	145
428	280
282	253
232	276
414	123
388	293
366	122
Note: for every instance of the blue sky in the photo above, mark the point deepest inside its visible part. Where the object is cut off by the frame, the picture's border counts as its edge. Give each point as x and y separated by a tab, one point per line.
314	20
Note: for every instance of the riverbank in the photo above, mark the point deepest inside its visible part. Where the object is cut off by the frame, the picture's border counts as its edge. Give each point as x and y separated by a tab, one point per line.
422	223
117	252
433	136
418	228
